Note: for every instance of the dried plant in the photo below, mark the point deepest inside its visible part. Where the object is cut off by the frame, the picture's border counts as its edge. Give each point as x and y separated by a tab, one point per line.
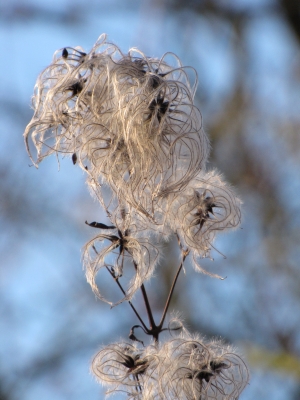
186	367
202	369
206	206
130	122
123	366
128	253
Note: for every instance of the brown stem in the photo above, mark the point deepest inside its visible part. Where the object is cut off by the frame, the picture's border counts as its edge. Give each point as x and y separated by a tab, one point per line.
147	305
184	255
123	291
129	302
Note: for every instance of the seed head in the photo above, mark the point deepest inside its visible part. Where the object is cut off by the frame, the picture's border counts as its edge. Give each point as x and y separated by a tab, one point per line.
129	119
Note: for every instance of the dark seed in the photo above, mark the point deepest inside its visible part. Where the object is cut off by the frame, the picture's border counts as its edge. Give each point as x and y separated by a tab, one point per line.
74	158
65	53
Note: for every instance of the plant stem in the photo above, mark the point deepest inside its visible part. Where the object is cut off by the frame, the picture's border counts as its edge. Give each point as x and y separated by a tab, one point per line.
129	302
147	305
184	255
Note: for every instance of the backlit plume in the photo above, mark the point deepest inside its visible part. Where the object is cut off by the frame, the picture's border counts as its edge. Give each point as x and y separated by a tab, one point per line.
130	122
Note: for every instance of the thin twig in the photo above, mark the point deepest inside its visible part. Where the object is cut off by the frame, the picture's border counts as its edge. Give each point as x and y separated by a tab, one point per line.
148	308
184	255
129	302
123	291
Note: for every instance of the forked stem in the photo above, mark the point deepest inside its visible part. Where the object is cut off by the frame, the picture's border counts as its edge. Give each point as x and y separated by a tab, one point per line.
153	330
184	255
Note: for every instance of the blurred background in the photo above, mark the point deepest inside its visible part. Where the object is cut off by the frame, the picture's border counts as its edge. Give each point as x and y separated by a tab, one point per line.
247	55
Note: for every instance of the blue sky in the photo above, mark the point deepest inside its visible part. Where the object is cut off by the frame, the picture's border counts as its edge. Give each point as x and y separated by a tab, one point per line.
45	299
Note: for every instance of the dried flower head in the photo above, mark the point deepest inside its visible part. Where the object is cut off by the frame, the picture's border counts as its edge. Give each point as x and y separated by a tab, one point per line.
187	367
126	368
129	255
198	368
207	206
129	120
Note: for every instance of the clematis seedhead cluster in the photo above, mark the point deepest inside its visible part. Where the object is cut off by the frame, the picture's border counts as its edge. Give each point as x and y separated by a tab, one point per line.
129	121
186	367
